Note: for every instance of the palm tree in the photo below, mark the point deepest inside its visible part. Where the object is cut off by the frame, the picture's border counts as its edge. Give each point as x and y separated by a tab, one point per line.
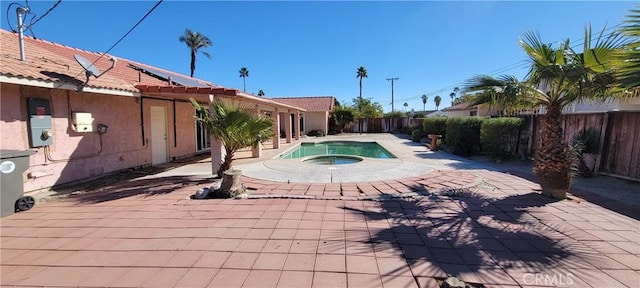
405	106
452	95
557	77
234	127
425	98
244	73
437	100
629	58
195	41
260	93
361	73
456	90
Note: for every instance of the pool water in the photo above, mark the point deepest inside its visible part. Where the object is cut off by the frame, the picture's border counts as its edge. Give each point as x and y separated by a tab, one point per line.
364	149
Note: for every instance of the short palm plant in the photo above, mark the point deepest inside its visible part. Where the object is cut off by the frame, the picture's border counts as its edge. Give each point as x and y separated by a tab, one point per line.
235	127
585	142
558	77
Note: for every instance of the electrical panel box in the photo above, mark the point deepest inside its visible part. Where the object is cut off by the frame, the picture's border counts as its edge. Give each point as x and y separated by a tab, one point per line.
40	129
83	122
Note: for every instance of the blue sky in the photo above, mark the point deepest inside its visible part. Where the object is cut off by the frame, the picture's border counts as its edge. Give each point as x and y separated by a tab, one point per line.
314	48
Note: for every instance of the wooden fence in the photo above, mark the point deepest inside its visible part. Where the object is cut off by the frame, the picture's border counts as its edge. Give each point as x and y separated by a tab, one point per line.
619	152
619	137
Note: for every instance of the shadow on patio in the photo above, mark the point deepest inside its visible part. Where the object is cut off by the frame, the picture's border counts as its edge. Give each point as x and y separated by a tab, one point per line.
146	187
468	235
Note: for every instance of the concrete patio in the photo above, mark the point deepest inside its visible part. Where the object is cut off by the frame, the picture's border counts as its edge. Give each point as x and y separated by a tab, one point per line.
484	226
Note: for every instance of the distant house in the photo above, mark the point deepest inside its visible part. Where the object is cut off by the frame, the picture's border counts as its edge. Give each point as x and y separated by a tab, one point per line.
466	109
318	109
134	115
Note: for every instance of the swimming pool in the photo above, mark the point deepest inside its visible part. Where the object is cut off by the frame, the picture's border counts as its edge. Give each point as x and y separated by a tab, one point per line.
354	148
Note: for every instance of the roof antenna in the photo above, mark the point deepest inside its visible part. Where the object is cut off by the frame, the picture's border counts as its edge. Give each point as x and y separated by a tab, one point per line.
90	69
19	12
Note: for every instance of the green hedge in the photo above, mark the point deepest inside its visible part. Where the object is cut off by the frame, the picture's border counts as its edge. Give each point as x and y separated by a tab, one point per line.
435	125
316	133
499	136
463	135
416	135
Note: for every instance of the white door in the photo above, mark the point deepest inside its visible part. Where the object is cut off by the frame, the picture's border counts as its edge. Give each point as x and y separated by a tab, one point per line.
158	135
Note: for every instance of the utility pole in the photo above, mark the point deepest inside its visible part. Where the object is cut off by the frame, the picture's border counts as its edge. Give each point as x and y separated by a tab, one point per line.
392	79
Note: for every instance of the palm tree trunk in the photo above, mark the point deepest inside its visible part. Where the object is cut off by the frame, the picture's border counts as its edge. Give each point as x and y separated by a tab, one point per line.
244	84
552	163
226	164
360	89
193	62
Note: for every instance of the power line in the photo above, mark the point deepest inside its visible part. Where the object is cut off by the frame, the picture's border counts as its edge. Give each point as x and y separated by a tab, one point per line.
33	22
126	34
518	65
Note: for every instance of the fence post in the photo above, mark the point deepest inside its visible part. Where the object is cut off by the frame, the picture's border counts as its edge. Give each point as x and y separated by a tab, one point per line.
604	132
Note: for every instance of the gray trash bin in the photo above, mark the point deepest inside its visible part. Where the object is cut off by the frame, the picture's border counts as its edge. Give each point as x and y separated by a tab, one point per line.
13	163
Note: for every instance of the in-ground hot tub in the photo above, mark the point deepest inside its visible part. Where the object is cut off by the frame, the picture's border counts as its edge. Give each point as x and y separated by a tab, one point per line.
332	160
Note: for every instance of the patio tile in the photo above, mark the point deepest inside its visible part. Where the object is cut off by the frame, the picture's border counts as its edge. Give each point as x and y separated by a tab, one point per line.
307	234
184	258
219	244
426	268
212	259
363	280
240	260
154	259
270	261
393	266
329	280
295	279
304	246
259	233
594	278
262	278
101	278
627	277
330	263
300	262
331	247
197	277
229	278
50	276
310	224
362	264
277	246
426	282
393	281
631	261
283	233
251	245
494	276
463	272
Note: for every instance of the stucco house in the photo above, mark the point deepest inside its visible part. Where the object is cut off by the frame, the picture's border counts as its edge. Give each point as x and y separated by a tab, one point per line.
133	115
318	109
466	109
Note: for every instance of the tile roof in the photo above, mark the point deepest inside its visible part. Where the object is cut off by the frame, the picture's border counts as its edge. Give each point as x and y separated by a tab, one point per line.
48	61
460	107
318	103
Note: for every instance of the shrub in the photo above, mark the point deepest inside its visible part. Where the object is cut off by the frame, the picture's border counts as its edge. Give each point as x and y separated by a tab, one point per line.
316	133
416	135
463	134
435	125
499	136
